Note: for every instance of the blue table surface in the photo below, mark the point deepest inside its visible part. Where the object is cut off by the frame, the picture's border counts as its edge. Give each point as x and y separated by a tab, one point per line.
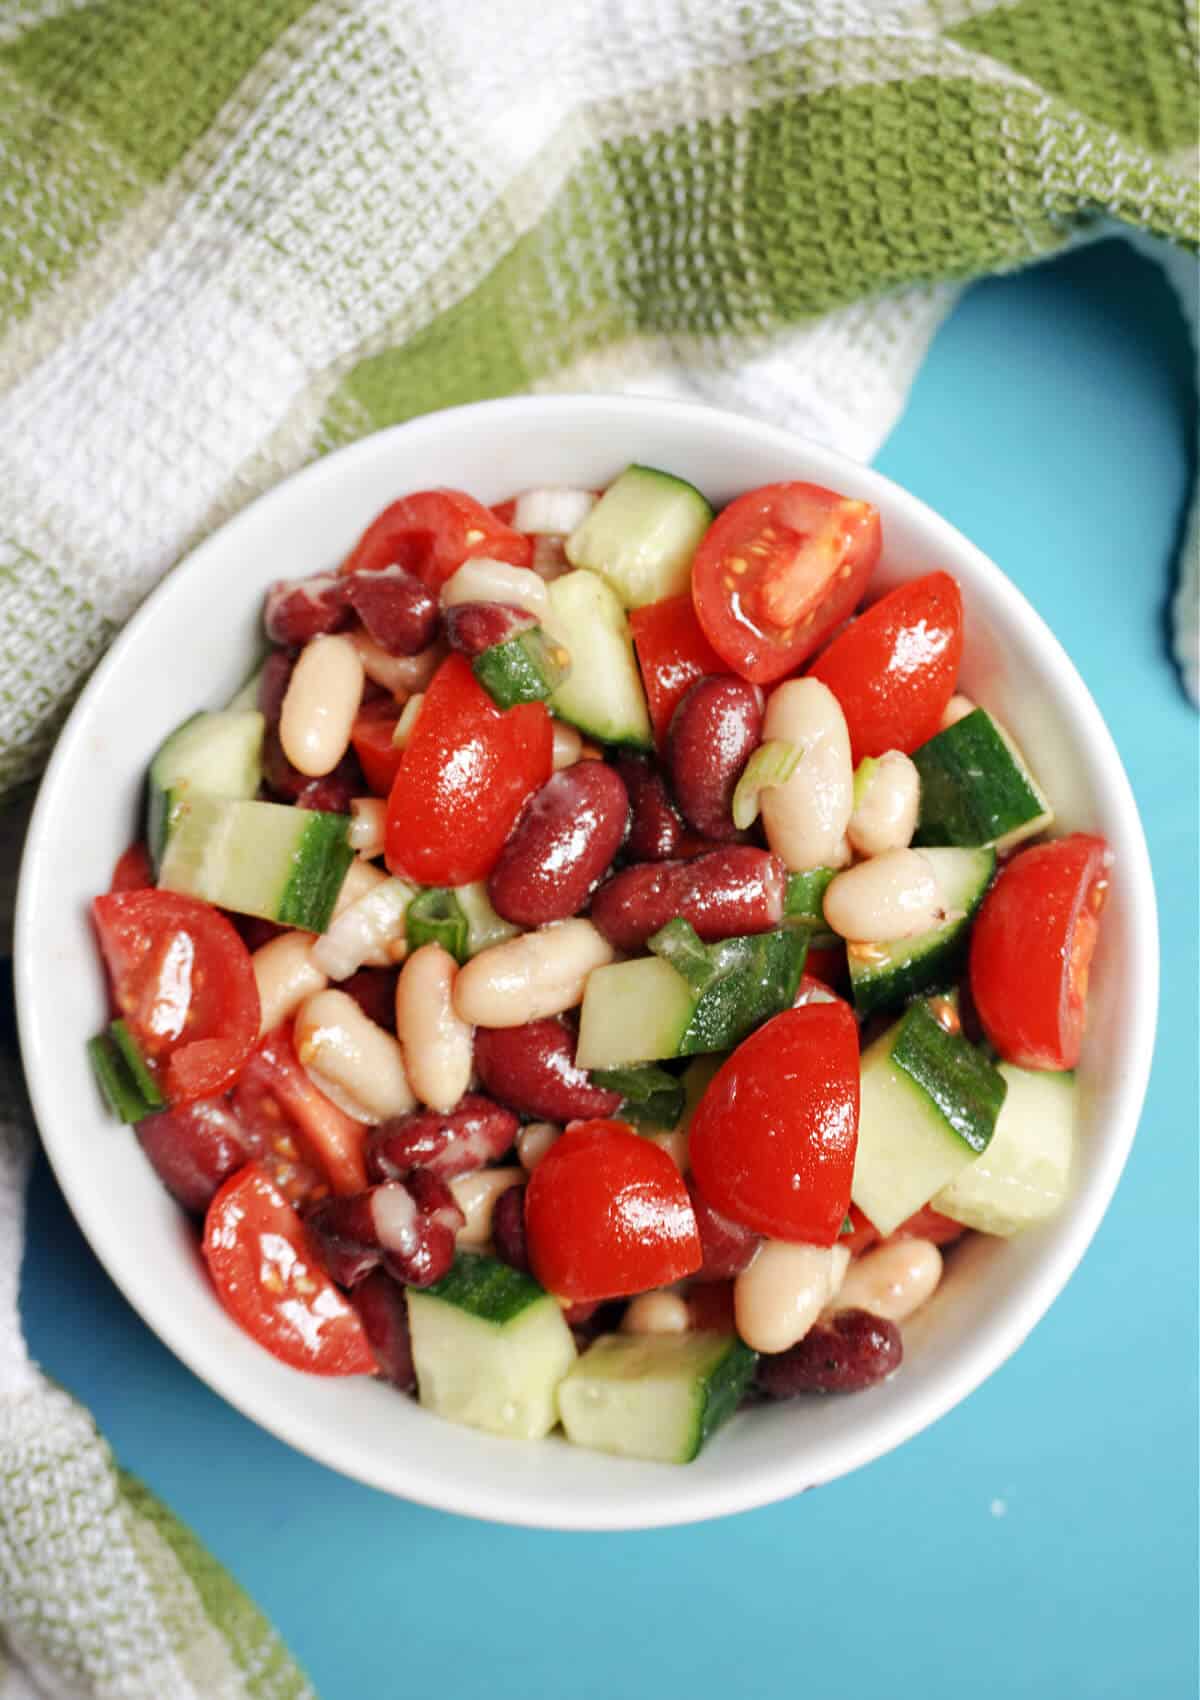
1041	1539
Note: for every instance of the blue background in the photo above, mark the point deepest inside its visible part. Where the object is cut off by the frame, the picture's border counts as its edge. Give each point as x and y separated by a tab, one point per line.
1039	1540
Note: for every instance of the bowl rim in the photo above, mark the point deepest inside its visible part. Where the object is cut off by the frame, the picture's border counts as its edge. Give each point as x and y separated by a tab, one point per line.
953	1382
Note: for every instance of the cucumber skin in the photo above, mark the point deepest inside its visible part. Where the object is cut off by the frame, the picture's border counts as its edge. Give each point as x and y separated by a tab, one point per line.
738	1002
522	670
723	1393
936	962
485	1288
322	859
964	1087
953	766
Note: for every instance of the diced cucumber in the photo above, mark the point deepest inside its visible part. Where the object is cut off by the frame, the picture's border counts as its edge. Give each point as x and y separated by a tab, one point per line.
927	1109
247	695
527	668
886	974
654	1396
803	905
490	1348
603	693
219	753
1024	1176
268	859
484	926
633	1012
976	788
642	534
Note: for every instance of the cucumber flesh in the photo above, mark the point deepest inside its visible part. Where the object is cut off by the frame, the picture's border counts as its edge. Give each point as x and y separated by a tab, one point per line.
885	974
1024	1176
602	694
490	1348
527	668
654	1396
218	753
269	859
642	534
928	1105
633	1012
976	788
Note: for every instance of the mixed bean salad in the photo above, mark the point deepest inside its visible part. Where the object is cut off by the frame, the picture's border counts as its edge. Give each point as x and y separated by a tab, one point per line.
590	973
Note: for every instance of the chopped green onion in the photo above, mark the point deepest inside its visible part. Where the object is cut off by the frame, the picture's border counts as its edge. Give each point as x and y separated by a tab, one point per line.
651	1096
136	1064
772	763
116	1081
484	927
435	916
847	1227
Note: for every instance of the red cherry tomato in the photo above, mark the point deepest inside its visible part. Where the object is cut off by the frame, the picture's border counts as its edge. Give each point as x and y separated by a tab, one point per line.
1031	950
271	1284
893	669
924	1224
133	871
505	512
184	983
371	736
607	1214
466	773
863	1234
276	1100
778	570
824	967
431	533
672	653
772	1142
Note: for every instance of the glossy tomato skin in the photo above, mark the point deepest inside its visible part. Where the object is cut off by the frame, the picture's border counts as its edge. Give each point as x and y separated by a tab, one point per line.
772	1142
277	1102
1031	950
893	670
184	983
778	570
607	1214
467	771
371	737
431	533
133	871
273	1286
672	653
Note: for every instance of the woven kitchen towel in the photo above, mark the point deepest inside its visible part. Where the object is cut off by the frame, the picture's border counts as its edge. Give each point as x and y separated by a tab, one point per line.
236	234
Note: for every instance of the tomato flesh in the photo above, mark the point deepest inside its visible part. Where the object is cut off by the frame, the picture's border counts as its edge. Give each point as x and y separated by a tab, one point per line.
1031	950
672	653
184	983
607	1214
772	1142
371	737
893	670
467	771
271	1284
432	533
275	1099
778	570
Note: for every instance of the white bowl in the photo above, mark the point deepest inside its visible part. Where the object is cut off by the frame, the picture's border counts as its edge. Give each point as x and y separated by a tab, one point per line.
191	646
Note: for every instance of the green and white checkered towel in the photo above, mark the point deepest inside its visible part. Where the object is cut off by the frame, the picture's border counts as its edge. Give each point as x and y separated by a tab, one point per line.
237	233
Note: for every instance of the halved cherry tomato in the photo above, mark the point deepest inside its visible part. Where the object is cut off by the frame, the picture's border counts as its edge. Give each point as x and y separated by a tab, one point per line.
607	1214
778	570
183	981
371	736
505	512
672	653
924	1224
433	532
1031	950
814	989
133	871
465	775
272	1285
828	964
893	669
863	1234
772	1142
276	1100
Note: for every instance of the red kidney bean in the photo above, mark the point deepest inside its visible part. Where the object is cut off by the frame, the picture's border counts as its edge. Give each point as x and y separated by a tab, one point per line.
656	830
344	1234
561	847
381	1305
332	791
194	1149
508	1229
727	1247
738	889
407	1226
476	1131
472	627
399	612
714	731
533	1069
301	608
374	991
710	1306
273	682
850	1352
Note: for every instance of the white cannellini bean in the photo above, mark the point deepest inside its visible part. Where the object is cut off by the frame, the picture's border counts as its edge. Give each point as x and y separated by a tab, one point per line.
662	1312
483	580
368	821
894	1280
360	878
806	818
286	975
955	710
476	1195
400	674
893	896
322	699
341	1048
437	1045
368	932
779	1296
530	976
403	729
568	745
885	815
533	1142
